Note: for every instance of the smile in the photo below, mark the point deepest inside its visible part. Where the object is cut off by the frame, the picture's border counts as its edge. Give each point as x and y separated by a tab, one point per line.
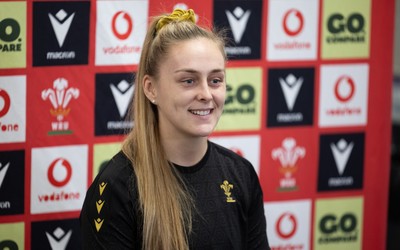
201	112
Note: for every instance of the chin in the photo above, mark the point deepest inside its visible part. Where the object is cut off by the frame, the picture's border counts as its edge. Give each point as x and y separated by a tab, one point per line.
203	133
203	130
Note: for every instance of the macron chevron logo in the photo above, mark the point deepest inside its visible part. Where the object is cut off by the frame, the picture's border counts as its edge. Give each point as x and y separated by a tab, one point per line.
122	95
238	22
61	25
341	153
3	171
290	88
59	239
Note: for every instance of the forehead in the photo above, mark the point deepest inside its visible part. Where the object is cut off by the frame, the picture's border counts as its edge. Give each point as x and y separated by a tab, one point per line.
199	53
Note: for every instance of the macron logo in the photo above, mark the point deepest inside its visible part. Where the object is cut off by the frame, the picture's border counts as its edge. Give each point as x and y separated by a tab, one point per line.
290	88
61	25
3	171
122	95
59	239
238	22
341	153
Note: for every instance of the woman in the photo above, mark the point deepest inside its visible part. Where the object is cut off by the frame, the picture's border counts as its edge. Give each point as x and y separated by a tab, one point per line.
170	188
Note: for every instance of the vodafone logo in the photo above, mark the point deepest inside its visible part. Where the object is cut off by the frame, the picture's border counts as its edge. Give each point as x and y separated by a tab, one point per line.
286	225
293	22
344	88
122	25
5	102
59	172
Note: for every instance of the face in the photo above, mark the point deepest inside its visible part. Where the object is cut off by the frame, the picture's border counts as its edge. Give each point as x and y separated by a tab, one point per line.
190	89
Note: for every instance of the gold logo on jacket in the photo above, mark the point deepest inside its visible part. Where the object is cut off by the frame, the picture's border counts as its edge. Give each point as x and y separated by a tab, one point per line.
99	206
98	223
102	186
227	187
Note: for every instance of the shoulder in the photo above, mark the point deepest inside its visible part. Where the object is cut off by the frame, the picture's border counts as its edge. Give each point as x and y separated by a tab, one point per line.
111	189
114	180
233	164
108	215
117	169
228	156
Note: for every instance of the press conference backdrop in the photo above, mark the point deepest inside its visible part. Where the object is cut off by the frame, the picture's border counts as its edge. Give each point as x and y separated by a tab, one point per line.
308	103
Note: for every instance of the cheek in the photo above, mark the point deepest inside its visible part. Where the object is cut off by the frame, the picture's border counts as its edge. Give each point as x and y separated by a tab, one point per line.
219	97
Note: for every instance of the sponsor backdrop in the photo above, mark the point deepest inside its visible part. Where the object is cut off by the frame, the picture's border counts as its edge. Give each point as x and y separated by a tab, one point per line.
308	103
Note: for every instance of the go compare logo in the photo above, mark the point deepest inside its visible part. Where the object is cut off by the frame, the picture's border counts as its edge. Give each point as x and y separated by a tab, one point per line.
13	34
338	223
243	98
331	223
10	31
12	236
338	24
346	29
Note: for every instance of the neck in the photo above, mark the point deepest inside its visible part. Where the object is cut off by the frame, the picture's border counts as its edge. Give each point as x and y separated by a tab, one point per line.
184	151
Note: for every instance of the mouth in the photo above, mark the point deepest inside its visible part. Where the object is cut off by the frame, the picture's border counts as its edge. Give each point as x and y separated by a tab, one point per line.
202	112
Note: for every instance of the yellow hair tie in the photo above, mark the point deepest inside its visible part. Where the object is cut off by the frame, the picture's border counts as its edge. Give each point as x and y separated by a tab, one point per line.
176	15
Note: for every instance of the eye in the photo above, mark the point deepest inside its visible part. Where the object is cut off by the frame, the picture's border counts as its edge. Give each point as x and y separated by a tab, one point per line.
188	81
216	81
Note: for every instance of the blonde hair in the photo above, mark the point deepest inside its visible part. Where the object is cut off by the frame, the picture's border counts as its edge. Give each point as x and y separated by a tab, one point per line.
165	203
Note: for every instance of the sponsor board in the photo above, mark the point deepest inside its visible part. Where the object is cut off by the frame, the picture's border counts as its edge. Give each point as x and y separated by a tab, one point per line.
338	223
56	234
60	104
288	224
58	178
289	163
243	20
346	29
120	30
290	100
12	109
113	101
341	161
60	33
242	109
343	95
13	34
292	30
12	236
12	182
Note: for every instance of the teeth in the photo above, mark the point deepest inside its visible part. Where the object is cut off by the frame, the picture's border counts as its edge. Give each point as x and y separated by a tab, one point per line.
200	112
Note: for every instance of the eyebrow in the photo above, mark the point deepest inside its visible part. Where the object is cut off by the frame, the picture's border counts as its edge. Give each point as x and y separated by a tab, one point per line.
195	71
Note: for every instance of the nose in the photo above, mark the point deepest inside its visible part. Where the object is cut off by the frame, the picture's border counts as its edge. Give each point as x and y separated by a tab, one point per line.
204	92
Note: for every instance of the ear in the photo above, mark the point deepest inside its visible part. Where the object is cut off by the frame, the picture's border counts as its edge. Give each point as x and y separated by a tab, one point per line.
149	88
